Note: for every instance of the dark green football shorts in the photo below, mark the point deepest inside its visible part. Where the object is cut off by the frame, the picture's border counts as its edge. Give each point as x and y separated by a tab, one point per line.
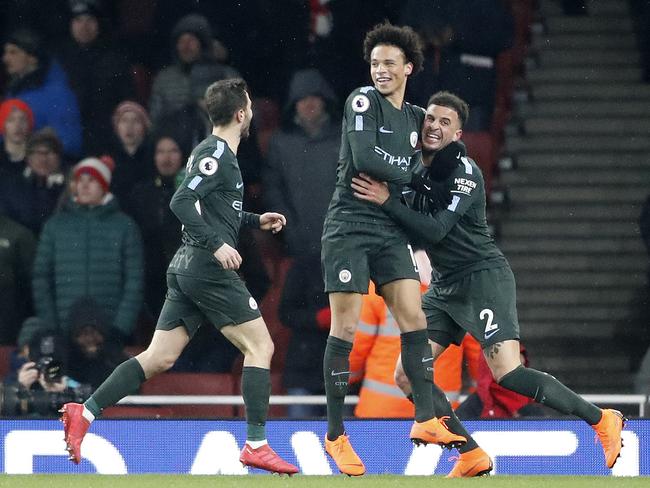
482	303
355	252
191	301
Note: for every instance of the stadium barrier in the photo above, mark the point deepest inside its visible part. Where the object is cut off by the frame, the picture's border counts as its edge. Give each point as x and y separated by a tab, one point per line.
211	447
604	400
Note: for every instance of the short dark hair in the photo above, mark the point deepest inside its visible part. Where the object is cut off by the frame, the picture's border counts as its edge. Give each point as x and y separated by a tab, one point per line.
454	102
223	98
45	137
402	37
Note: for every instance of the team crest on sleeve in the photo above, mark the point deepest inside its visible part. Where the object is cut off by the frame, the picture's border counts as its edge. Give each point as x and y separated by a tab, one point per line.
360	103
413	139
252	303
345	276
208	166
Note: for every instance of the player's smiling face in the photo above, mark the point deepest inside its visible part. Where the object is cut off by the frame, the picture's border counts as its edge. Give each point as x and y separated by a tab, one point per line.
389	69
441	127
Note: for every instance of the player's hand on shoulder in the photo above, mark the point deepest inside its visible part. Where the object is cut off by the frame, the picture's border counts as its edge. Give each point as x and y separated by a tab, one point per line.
272	221
437	193
228	257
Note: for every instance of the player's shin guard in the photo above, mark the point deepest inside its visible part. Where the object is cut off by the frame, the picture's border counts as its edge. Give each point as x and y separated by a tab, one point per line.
124	380
336	371
545	389
256	389
418	366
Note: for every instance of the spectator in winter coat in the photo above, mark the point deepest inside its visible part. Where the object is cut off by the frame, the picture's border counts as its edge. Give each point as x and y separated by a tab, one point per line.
90	249
31	196
17	247
194	60
98	73
131	150
161	230
299	183
42	84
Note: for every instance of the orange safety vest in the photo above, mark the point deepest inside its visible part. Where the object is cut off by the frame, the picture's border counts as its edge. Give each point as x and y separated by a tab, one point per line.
377	346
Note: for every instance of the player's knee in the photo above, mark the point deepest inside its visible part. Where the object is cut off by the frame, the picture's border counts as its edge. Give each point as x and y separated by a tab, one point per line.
501	369
344	330
260	352
153	364
410	319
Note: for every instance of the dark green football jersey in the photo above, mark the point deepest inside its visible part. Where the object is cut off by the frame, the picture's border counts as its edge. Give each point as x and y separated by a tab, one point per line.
209	205
377	139
457	239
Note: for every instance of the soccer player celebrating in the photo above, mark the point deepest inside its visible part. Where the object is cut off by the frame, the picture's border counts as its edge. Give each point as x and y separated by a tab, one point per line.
474	290
203	284
361	242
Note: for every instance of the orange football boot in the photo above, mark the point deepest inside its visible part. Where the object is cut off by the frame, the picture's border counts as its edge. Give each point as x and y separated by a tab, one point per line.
609	432
472	463
341	451
435	431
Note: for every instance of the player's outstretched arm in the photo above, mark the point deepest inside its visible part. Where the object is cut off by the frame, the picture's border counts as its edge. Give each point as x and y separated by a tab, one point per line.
272	221
427	228
367	160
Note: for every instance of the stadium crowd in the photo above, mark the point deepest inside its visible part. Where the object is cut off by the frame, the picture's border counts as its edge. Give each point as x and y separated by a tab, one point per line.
102	102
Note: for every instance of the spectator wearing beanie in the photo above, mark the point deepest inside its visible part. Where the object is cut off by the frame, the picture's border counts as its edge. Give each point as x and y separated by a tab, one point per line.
90	249
43	85
16	124
30	197
131	150
99	74
193	61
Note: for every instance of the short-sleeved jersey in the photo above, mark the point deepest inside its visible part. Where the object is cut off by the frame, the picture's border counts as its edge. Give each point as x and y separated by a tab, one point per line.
467	245
377	139
213	182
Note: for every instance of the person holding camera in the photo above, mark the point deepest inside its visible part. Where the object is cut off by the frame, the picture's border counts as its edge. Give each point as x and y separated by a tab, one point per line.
38	384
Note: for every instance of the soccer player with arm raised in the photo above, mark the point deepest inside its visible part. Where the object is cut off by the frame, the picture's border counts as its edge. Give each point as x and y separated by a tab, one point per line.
203	285
473	289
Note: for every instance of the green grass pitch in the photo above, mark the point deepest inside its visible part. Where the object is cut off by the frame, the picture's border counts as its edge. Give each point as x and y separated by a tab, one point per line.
261	481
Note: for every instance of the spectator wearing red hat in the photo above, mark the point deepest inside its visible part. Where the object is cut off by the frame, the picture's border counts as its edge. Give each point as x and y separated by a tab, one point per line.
90	249
131	150
16	124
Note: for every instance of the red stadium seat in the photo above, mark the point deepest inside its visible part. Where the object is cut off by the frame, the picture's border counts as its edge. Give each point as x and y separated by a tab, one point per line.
124	411
5	359
193	384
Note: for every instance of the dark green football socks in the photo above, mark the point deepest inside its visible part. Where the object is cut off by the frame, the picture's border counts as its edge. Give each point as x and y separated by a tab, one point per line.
545	389
336	372
442	409
256	388
417	361
124	380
